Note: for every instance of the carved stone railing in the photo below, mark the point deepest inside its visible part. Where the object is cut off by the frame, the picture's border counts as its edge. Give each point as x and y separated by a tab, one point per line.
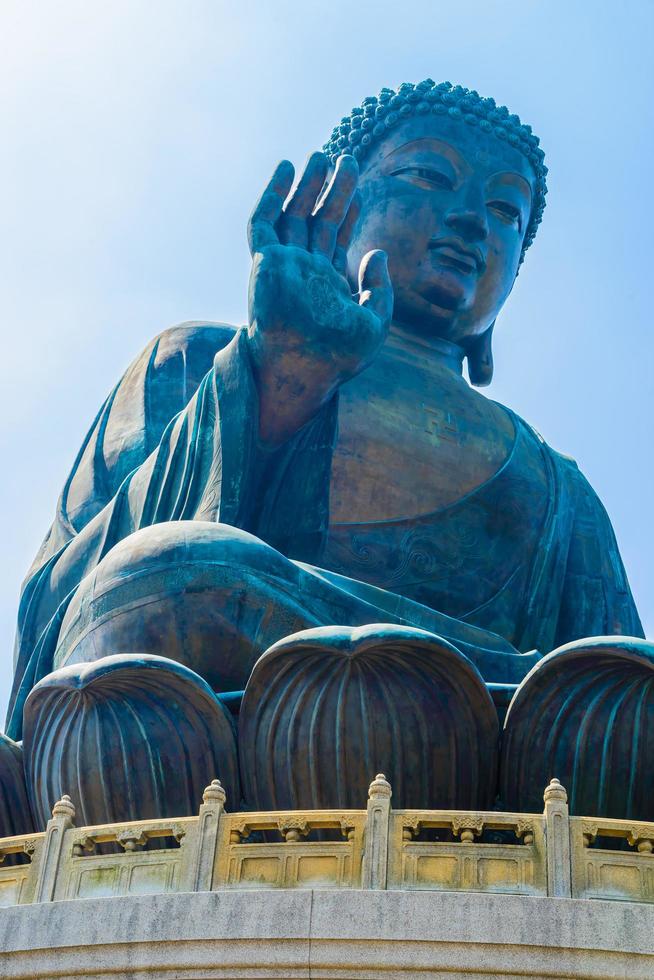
493	852
269	850
547	853
17	881
600	870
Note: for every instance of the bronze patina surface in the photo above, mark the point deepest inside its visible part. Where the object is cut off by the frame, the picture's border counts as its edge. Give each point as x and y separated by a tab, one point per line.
328	466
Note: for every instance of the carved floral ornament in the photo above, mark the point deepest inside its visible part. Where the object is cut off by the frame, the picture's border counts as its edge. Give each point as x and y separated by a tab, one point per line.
641	837
470	824
131	839
27	846
524	829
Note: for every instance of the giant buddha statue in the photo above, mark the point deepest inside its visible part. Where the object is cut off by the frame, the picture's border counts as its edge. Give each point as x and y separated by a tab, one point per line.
294	553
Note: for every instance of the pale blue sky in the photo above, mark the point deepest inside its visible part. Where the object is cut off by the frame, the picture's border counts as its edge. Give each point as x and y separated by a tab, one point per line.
136	136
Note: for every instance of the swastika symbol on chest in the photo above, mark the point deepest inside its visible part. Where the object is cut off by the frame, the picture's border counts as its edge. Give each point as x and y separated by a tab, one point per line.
441	425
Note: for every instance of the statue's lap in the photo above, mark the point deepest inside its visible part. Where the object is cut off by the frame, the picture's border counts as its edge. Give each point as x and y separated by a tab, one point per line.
214	598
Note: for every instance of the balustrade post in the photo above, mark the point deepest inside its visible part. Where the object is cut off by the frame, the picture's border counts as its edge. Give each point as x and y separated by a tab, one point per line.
211	811
374	870
557	839
63	813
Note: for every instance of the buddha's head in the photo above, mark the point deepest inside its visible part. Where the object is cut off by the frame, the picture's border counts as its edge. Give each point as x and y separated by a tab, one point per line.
453	189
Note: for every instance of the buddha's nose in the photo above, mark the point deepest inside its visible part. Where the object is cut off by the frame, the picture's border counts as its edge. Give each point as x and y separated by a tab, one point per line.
469	222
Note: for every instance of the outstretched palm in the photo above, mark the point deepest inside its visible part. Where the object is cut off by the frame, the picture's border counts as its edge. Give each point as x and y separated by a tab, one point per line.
308	333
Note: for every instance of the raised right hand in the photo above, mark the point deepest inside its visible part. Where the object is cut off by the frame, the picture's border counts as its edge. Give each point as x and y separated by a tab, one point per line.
307	332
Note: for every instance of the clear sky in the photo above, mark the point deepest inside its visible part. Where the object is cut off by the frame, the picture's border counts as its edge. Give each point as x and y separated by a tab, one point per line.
136	136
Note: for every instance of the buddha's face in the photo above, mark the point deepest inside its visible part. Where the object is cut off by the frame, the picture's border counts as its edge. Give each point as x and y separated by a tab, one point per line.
450	205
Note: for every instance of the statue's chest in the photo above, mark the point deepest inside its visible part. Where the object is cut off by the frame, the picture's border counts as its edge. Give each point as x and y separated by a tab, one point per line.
472	553
410	452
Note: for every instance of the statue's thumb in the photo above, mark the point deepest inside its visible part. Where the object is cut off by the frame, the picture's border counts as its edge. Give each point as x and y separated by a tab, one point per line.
375	287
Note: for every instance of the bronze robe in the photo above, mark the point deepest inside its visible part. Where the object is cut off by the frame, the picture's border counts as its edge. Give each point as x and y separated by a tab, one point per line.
177	440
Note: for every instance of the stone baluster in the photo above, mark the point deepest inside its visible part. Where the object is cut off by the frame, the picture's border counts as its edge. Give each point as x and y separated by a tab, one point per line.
642	838
557	831
375	855
211	811
468	827
63	814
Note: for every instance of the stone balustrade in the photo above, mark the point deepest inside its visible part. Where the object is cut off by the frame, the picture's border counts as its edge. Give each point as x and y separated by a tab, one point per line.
541	854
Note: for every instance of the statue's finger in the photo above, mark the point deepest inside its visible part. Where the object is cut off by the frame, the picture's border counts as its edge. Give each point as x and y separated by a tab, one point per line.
292	226
375	287
261	226
345	233
330	212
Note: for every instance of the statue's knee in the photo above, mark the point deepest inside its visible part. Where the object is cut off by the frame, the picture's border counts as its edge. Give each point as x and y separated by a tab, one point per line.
127	738
584	715
173	544
186	590
327	709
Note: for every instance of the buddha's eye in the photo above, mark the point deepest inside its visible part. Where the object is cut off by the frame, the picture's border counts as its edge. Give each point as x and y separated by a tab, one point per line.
508	212
426	177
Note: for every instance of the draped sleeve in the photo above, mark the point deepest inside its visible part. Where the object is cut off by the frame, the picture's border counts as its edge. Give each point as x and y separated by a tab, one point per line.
577	585
207	466
596	599
156	386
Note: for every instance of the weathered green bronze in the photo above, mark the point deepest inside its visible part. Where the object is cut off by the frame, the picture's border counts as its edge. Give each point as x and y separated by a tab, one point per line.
329	466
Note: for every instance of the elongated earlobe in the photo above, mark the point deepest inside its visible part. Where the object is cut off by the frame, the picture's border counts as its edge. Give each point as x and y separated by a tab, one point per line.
480	358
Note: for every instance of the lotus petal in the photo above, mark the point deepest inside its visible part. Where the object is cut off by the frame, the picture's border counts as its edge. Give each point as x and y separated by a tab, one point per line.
128	737
327	708
584	714
15	814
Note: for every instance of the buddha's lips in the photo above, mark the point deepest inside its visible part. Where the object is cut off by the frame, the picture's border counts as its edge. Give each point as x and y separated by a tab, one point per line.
465	258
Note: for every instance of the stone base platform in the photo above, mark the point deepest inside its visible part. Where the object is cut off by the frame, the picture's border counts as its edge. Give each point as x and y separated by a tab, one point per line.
327	934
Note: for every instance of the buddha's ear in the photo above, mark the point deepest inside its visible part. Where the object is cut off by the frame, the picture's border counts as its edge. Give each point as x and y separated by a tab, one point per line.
480	358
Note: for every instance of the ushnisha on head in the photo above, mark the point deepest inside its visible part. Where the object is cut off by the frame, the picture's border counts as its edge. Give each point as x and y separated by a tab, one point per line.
453	187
